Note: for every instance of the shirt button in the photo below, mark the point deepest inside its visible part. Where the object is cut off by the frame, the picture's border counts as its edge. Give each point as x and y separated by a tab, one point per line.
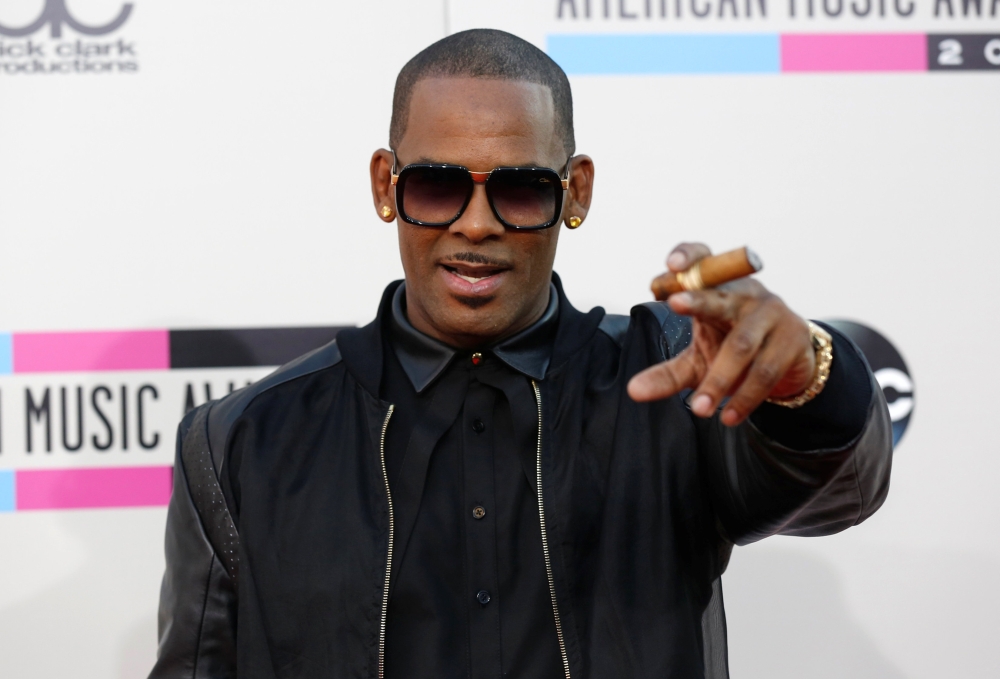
478	426
478	512
483	597
477	358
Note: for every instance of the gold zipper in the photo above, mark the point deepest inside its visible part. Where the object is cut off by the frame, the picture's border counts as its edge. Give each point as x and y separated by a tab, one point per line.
545	536
388	558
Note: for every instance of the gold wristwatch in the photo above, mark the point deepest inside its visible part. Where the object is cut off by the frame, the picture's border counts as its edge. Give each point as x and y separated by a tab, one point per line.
822	344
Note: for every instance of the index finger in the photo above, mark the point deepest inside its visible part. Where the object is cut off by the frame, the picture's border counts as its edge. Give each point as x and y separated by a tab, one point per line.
723	303
667	378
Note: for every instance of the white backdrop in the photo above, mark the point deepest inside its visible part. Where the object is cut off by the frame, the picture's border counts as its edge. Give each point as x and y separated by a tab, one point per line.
221	181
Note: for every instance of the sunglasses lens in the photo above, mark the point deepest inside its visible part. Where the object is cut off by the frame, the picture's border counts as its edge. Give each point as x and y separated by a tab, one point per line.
526	198
434	195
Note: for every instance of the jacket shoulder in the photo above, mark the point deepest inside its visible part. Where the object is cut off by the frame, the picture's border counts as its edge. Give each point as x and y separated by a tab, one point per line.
674	329
614	326
226	411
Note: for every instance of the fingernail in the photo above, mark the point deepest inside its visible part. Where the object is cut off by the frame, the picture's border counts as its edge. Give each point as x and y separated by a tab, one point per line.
677	260
729	417
683	298
702	405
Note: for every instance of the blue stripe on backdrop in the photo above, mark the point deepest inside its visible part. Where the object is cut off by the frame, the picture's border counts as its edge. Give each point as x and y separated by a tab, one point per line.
673	53
7	494
6	354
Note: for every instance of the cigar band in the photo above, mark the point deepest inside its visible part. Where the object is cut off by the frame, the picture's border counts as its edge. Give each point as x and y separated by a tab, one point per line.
691	279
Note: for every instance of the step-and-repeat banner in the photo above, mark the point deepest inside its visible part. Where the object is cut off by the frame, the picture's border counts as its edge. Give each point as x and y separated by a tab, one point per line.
184	206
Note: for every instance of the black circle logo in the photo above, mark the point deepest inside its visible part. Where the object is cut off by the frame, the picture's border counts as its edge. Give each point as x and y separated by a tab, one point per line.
890	371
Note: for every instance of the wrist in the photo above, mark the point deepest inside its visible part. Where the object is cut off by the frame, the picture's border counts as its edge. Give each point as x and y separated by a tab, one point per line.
822	345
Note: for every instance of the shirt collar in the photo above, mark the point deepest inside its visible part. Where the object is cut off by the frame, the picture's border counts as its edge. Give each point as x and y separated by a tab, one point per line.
424	358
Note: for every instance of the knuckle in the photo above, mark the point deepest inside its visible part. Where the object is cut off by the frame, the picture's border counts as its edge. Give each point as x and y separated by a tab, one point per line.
772	302
768	373
667	380
663	375
742	343
733	307
694	360
716	384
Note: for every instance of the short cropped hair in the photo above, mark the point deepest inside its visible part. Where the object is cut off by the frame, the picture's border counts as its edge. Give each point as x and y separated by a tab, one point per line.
492	55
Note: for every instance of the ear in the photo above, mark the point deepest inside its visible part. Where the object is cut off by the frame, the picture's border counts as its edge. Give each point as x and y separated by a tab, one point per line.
581	188
383	192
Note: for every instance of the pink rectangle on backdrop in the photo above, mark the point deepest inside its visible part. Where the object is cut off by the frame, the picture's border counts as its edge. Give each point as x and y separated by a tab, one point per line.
94	487
854	52
84	351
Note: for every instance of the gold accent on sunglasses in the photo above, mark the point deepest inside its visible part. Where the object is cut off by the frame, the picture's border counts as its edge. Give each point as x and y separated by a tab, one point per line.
480	178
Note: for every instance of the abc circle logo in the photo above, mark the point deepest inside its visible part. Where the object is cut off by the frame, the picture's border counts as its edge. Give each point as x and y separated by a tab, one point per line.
55	14
890	371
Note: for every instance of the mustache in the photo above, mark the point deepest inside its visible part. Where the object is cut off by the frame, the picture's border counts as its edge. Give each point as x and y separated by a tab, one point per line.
478	258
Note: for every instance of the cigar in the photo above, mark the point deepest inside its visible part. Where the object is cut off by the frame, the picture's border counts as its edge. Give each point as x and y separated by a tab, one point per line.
708	273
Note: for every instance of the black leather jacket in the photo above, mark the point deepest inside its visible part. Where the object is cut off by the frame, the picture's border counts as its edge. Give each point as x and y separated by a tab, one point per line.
642	503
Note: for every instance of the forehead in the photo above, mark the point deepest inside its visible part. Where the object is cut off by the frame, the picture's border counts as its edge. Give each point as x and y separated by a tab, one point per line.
481	124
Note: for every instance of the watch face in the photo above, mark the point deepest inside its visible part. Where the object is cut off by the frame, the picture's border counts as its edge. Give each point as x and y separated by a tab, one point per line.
890	371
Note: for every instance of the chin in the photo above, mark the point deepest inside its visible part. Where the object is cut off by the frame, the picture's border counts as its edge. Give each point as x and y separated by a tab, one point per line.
474	302
469	319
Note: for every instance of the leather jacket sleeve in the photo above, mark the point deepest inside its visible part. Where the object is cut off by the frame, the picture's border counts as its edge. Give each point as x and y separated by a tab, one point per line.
803	472
197	618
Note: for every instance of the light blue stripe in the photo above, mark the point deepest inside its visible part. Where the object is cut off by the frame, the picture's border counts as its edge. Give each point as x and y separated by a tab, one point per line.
7	494
6	354
673	53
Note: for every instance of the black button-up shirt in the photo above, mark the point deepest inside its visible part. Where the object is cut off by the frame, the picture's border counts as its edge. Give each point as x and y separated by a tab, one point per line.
470	594
469	589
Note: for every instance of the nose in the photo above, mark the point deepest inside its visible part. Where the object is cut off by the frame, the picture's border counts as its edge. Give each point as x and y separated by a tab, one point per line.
478	222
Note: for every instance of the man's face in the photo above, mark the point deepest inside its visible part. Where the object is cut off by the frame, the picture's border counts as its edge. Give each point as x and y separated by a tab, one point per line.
475	281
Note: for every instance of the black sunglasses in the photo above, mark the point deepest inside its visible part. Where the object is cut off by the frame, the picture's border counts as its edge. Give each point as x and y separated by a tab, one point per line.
523	198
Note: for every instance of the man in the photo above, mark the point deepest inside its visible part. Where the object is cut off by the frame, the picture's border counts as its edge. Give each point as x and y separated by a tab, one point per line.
486	482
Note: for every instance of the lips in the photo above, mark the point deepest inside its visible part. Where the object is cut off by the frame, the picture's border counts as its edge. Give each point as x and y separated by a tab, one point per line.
473	280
